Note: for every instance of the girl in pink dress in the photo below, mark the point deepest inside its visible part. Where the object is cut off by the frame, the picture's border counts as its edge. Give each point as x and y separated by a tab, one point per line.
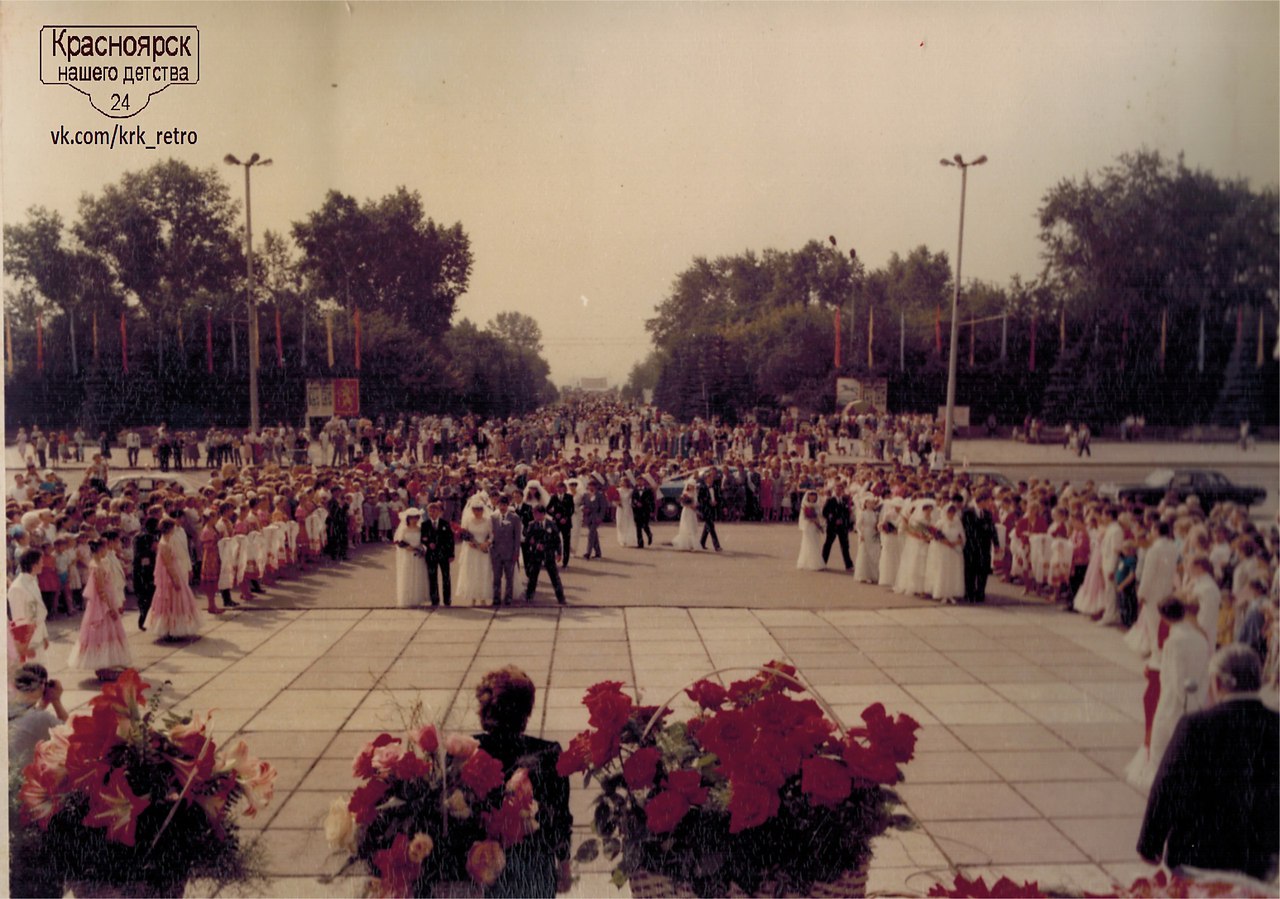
210	561
102	644
173	610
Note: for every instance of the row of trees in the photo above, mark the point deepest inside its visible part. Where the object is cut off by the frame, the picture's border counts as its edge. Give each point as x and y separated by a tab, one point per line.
137	310
1159	287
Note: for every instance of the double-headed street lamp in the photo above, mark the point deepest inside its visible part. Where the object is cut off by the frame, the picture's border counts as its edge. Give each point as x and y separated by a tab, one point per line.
949	422
253	160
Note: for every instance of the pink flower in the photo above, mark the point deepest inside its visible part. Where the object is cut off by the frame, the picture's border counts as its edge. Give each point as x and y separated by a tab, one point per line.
40	795
125	697
362	766
460	746
420	847
485	862
520	787
259	787
386	758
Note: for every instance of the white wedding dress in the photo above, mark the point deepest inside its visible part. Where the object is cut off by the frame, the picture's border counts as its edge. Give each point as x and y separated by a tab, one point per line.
625	518
411	570
811	536
686	538
474	579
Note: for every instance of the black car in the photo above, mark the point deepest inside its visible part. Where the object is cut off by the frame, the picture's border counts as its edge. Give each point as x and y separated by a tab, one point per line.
669	494
1212	487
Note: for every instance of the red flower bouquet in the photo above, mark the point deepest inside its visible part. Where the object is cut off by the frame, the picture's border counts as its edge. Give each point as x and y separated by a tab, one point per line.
723	799
432	809
124	796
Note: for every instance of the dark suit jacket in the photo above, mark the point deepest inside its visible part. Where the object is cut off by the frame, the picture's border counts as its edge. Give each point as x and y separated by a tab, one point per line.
708	511
560	510
1215	802
980	534
437	540
642	504
838	511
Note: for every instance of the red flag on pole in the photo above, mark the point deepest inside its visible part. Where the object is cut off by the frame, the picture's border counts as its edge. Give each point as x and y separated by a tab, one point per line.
356	317
328	330
937	330
208	341
39	342
95	337
1031	357
124	345
279	340
837	313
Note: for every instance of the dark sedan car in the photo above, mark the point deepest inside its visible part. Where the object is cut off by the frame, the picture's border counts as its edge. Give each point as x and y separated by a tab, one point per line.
1211	487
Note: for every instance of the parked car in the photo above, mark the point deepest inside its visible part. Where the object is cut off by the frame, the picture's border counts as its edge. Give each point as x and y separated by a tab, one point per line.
1212	487
669	494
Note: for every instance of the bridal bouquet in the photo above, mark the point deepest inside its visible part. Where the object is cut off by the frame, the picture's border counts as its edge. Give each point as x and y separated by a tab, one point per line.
130	797
725	799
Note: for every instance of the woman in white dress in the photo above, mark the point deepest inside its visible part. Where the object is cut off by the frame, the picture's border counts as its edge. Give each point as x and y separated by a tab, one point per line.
474	580
411	570
946	577
890	528
625	518
686	538
915	550
811	534
1183	665
866	566
579	497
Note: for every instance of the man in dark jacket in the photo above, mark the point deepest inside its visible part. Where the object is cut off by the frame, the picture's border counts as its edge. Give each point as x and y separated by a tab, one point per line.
560	508
838	512
437	552
1215	801
642	510
542	540
144	566
710	498
980	535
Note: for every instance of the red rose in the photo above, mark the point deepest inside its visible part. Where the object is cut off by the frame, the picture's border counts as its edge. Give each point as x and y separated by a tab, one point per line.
604	746
708	695
505	823
610	711
750	805
825	781
397	870
897	735
365	799
773	681
574	758
873	764
410	767
688	784
763	764
664	811
428	738
482	773
728	734
641	768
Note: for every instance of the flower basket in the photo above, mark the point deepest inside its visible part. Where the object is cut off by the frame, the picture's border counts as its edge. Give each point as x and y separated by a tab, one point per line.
127	801
849	885
434	816
717	804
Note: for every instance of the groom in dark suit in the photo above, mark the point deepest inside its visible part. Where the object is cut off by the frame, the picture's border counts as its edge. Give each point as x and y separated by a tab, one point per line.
642	510
437	550
709	500
980	535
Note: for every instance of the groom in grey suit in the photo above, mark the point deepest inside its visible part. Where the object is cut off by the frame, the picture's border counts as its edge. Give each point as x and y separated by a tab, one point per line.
507	533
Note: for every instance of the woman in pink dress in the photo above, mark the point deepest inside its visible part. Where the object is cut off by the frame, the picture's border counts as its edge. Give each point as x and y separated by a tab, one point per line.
210	562
102	644
173	610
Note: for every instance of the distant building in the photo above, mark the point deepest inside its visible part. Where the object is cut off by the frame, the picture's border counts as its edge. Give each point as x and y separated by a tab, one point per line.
594	385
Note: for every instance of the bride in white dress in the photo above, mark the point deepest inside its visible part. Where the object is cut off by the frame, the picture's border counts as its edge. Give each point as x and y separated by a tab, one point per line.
624	517
944	577
474	581
411	570
687	536
811	534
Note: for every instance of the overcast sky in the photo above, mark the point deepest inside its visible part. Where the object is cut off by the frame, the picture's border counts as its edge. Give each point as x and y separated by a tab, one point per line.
592	150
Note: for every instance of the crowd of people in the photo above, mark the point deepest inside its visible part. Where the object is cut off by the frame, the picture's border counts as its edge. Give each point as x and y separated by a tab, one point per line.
479	511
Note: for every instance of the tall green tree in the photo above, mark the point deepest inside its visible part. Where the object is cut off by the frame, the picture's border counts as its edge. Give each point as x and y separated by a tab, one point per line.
388	256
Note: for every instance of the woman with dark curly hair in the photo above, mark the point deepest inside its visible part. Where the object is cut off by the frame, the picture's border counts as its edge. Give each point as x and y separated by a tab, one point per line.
540	863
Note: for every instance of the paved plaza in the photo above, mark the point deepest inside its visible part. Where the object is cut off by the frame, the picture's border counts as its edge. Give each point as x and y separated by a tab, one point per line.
1028	714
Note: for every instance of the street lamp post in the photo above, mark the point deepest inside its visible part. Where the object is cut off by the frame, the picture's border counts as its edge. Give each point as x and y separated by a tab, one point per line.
253	160
949	422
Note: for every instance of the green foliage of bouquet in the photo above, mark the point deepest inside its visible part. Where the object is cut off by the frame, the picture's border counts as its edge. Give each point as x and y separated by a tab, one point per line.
431	809
757	790
127	796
